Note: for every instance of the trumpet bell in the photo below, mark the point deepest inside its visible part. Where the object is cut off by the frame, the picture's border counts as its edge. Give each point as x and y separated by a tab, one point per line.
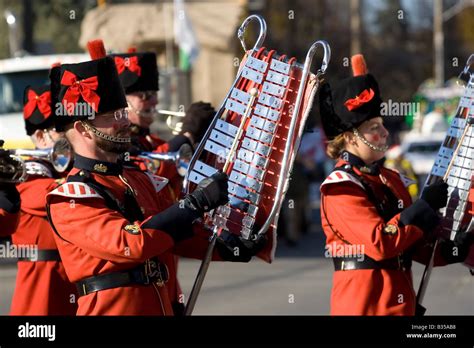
185	154
61	155
181	158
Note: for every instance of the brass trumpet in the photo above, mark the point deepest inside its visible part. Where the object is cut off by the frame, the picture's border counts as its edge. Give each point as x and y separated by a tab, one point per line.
174	125
13	168
181	158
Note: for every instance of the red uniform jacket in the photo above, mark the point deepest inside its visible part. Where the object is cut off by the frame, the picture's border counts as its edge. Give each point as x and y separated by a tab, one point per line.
348	214
93	240
42	287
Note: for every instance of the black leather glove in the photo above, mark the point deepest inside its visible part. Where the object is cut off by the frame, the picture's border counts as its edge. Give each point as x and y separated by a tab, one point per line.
421	215
177	220
237	249
9	198
436	195
457	250
179	309
210	193
197	119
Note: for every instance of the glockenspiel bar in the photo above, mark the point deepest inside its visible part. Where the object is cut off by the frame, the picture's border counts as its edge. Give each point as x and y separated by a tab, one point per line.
274	89
256	64
255	146
462	184
263	124
280	66
462	161
241	205
241	192
270	100
216	149
195	177
455	132
235	106
278	78
248	221
257	134
252	75
446	152
245	232
221	138
204	169
239	95
438	171
465	102
224	211
245	181
266	113
257	122
251	158
466	151
458	123
227	128
246	169
219	221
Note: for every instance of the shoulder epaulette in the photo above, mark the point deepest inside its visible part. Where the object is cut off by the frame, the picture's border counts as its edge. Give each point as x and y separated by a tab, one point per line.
75	190
341	176
158	182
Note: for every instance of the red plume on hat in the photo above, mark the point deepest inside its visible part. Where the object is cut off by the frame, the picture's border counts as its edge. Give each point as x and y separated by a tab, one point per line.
96	49
359	67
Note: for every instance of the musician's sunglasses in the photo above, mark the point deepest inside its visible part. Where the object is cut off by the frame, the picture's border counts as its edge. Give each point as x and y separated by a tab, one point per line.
118	114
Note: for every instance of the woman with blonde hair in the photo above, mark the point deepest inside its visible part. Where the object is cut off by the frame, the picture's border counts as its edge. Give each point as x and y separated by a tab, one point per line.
373	230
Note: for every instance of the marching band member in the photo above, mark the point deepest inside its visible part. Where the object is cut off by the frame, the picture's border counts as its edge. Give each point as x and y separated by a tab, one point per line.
138	73
373	230
42	287
117	228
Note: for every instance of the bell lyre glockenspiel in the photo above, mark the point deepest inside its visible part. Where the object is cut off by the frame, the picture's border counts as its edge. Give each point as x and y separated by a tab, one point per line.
254	138
454	164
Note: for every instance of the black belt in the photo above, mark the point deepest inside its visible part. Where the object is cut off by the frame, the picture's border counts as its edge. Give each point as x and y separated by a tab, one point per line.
43	255
5	240
146	274
353	263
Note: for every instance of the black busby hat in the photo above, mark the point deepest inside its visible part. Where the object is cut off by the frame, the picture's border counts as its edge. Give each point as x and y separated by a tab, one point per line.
37	108
138	72
351	102
85	90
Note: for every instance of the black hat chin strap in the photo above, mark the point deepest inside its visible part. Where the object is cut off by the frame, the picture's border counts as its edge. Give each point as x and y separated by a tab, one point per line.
107	137
372	146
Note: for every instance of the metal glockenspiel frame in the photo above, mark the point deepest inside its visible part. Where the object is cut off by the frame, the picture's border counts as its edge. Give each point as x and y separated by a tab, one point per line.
454	162
272	121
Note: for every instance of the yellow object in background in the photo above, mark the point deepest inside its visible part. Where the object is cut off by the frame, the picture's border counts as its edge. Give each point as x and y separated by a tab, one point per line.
25	143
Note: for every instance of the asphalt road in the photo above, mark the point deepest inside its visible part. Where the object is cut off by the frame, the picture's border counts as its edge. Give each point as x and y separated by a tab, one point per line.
297	283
